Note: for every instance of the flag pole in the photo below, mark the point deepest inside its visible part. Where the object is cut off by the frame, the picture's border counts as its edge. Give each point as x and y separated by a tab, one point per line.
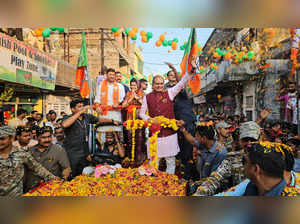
91	128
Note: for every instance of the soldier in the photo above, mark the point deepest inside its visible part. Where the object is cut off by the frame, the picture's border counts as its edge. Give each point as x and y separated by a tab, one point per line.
12	162
224	137
232	167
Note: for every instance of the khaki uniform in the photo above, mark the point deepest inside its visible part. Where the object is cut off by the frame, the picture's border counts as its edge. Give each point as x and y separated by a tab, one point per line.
54	159
231	170
12	172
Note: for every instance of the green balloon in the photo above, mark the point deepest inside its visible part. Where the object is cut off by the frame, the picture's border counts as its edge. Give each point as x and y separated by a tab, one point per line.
53	29
126	32
61	30
200	52
170	43
165	43
114	30
149	35
182	48
240	60
134	38
46	33
250	54
175	40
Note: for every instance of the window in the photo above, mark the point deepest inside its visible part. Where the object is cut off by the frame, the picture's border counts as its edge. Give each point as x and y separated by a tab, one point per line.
249	101
55	107
249	115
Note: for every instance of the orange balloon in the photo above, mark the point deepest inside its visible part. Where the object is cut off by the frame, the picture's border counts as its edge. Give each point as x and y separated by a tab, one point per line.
228	56
219	96
169	51
132	33
136	30
158	43
216	55
162	37
117	34
38	32
144	39
174	46
143	33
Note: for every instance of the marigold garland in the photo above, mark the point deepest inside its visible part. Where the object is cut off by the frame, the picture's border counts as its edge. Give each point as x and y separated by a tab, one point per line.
124	182
139	124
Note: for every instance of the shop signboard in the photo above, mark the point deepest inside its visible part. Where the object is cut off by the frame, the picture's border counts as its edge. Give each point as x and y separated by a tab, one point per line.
21	63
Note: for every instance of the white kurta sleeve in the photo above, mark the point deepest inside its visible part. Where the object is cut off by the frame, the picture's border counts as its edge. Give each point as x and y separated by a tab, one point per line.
121	93
144	109
179	86
97	97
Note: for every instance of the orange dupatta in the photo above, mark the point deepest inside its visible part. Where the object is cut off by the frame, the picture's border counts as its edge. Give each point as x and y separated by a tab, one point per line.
104	96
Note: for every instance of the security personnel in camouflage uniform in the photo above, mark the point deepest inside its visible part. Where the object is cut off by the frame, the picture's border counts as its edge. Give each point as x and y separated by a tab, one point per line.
223	135
12	162
232	167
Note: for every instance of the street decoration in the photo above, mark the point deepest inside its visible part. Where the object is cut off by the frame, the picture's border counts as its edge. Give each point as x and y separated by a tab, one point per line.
46	32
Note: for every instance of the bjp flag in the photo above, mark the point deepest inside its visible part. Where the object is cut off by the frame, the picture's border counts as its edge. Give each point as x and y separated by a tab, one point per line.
191	51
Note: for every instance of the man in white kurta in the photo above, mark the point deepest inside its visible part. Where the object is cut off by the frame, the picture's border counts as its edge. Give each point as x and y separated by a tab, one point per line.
115	115
167	147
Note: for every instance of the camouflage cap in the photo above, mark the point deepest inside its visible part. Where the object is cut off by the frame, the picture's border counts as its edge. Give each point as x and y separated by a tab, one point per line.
250	129
222	124
6	131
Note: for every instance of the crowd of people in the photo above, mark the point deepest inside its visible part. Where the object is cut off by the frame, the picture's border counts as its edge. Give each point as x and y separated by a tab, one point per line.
213	154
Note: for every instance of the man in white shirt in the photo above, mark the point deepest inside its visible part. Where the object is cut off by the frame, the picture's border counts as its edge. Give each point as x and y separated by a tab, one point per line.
108	99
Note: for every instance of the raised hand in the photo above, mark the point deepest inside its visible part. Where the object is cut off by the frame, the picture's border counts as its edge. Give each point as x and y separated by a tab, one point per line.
84	109
265	113
169	64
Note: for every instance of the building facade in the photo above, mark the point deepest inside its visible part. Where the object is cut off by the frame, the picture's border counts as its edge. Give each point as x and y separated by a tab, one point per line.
247	87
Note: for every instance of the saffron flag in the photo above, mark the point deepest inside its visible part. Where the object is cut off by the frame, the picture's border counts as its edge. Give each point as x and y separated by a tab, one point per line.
295	38
82	78
191	51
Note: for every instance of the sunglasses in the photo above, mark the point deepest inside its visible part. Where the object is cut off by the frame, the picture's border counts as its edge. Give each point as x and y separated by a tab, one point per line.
22	128
44	130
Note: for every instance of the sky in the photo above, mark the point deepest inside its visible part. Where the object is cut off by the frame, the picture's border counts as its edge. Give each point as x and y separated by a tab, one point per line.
154	57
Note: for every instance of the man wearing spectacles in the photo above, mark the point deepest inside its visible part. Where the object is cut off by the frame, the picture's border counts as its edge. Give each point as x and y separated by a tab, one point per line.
12	165
51	156
24	138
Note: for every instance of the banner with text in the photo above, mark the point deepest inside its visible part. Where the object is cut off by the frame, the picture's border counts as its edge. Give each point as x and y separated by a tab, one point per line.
21	63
